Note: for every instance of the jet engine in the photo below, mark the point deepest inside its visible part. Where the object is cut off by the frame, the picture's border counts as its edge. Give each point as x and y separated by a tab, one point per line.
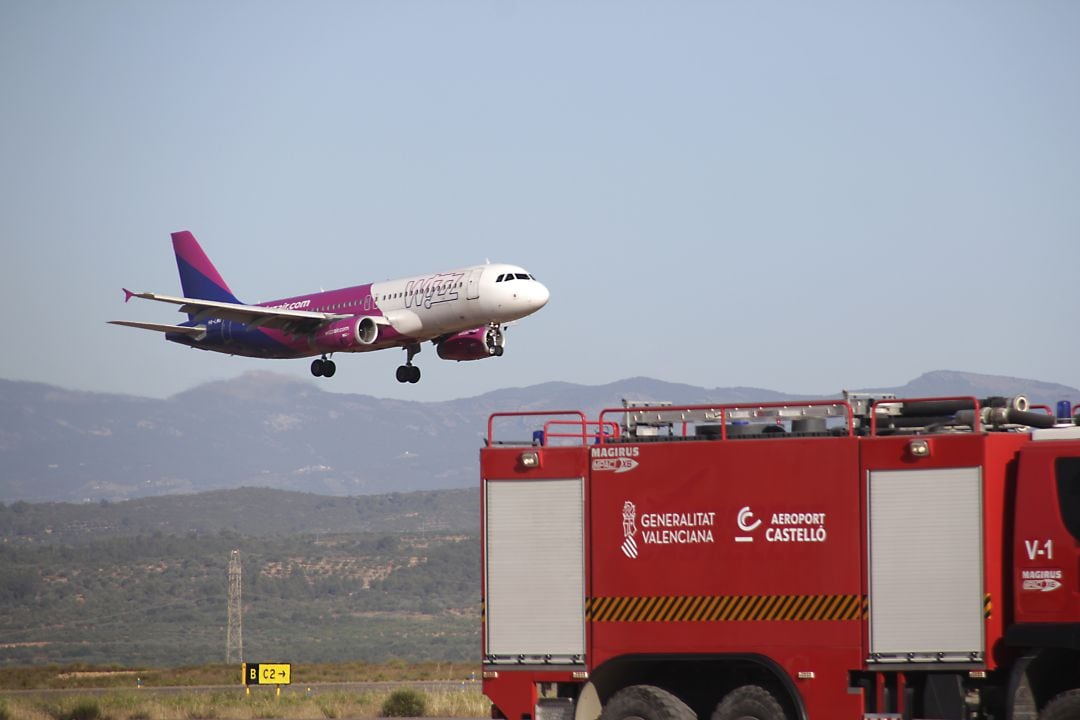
344	334
475	344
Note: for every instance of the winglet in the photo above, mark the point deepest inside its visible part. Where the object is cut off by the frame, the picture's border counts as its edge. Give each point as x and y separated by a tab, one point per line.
127	294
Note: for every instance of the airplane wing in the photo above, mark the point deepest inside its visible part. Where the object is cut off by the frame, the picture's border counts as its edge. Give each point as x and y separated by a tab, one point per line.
184	329
293	321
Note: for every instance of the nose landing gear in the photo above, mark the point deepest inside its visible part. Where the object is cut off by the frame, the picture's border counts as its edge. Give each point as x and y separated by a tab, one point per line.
494	340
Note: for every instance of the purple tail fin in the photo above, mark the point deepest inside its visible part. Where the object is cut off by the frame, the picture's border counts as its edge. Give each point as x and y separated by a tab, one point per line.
198	276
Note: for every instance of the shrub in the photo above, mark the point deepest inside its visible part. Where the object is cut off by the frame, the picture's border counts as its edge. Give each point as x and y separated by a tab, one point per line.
405	702
82	710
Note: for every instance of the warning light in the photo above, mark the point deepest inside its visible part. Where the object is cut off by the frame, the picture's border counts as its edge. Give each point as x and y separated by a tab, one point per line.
530	459
919	448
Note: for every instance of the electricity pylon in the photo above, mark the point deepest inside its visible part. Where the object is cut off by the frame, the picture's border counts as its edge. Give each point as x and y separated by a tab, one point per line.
234	636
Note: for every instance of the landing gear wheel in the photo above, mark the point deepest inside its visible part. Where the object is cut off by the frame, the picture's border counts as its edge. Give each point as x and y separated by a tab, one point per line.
322	367
494	340
1065	706
749	702
409	373
646	702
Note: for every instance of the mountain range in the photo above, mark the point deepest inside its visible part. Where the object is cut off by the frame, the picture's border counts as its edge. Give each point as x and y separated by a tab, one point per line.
267	430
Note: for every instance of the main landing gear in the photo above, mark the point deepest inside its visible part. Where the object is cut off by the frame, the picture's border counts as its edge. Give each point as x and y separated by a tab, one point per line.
409	373
323	367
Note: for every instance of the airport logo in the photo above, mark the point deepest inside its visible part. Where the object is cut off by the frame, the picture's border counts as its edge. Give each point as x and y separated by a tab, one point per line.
629	528
783	527
747	523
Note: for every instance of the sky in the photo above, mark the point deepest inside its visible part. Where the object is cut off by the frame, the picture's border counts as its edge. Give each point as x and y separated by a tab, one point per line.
795	196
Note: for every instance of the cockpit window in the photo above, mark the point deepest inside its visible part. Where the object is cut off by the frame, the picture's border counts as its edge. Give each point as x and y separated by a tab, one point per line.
500	278
522	276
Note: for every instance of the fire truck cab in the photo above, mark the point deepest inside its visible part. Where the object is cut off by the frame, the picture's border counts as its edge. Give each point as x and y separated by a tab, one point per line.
868	557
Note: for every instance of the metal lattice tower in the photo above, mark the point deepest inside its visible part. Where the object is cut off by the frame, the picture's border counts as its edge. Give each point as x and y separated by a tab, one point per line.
234	637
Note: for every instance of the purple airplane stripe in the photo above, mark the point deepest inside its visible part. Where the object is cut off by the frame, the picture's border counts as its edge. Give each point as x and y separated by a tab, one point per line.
350	301
188	250
197	285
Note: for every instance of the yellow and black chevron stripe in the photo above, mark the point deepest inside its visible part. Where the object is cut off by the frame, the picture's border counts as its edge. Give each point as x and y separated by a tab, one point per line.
730	608
725	608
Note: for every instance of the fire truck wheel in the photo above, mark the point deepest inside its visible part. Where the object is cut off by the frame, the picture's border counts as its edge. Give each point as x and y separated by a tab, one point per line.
646	702
749	702
1065	706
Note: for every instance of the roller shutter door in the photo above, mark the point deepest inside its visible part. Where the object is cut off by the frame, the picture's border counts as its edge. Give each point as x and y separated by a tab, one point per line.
926	565
535	570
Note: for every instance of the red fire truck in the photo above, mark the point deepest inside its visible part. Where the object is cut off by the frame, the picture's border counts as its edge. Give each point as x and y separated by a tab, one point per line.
870	557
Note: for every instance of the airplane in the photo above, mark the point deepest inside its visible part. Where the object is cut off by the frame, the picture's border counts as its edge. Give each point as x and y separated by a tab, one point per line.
461	311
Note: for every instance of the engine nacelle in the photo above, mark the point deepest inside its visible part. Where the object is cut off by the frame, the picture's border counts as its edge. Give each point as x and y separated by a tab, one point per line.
475	344
344	334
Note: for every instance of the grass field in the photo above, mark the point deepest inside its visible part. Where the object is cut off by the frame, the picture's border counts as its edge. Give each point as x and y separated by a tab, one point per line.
68	677
295	704
122	700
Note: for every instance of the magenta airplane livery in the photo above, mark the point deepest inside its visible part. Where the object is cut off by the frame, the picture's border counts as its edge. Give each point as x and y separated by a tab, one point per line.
461	311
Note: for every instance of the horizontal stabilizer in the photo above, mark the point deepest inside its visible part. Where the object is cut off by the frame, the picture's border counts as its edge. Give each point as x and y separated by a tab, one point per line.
182	329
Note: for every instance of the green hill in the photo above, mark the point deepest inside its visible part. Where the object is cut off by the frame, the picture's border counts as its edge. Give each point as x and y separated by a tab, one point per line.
321	581
255	512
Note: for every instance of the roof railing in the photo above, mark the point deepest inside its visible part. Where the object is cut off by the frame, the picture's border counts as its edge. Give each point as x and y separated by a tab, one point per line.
721	419
580	422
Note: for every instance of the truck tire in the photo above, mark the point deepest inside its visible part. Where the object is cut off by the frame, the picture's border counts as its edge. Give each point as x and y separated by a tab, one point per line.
1064	706
749	702
646	702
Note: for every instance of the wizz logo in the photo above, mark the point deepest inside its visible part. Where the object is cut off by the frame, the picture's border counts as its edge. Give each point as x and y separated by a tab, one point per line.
629	528
433	290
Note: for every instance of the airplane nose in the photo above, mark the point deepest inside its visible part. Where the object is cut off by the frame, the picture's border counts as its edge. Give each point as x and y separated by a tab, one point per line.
540	296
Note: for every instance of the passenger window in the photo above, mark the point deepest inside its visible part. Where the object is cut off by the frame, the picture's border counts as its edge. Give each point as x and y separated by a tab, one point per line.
1067	470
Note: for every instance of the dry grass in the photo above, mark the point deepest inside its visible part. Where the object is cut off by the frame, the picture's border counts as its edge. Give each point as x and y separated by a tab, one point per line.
86	676
294	704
